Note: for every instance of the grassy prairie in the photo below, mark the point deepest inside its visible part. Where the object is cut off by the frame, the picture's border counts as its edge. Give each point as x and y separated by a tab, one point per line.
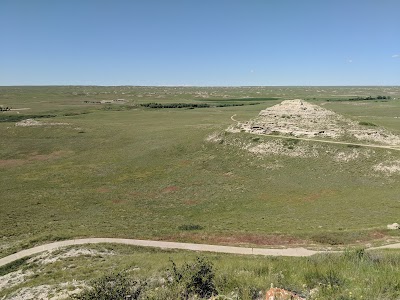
121	170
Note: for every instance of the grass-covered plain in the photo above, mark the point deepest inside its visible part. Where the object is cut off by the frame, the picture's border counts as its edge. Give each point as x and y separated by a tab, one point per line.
123	170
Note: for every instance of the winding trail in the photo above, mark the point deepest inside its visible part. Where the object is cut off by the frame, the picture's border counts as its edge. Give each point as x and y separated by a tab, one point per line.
298	252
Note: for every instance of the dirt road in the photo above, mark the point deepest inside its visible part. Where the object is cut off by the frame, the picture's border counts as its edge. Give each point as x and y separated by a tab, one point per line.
299	252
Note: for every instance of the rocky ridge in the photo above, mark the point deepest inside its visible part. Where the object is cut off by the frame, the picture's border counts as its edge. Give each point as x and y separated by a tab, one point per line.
299	118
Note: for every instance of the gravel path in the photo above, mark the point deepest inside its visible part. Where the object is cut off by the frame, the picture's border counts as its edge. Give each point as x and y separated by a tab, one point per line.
172	245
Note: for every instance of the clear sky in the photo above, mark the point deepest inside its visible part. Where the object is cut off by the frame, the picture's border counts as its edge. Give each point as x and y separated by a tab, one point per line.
199	42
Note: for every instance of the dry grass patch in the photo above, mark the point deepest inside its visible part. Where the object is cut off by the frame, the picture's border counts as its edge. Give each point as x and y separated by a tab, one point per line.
237	239
33	157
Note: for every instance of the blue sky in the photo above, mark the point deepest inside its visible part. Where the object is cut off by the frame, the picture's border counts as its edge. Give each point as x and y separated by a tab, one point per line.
199	42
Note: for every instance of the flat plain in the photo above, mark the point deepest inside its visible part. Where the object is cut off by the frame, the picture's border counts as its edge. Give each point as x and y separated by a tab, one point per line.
163	163
124	170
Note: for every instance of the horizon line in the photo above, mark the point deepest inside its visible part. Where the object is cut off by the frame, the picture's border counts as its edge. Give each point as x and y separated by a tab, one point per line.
199	86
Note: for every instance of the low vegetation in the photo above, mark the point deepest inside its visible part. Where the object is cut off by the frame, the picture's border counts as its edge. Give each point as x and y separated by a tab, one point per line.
128	171
368	98
367	124
190	227
145	273
320	277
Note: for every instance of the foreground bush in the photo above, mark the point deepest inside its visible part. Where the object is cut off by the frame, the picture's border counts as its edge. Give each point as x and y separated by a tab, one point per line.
113	287
193	280
355	274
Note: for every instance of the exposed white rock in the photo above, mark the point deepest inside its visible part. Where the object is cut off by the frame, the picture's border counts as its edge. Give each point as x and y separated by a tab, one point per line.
299	118
393	226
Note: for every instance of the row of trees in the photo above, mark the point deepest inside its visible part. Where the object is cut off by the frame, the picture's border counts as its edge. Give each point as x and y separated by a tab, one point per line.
175	105
191	105
371	98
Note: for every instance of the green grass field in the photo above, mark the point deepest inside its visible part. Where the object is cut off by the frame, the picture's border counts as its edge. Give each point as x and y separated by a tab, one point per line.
122	170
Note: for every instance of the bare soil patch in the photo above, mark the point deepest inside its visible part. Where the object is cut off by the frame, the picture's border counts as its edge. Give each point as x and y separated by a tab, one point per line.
215	137
48	292
191	202
14	278
314	196
388	167
118	201
53	256
8	163
353	154
33	122
57	291
170	189
16	109
103	190
53	155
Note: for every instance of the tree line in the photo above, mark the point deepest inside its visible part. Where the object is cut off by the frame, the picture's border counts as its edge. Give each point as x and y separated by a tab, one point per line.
191	105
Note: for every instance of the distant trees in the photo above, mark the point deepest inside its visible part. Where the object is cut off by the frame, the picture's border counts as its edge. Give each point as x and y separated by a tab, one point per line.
5	108
175	105
20	117
371	98
191	105
362	98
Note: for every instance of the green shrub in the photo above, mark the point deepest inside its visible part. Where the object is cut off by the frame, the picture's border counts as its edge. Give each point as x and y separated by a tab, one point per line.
190	227
367	124
194	279
116	107
329	238
17	118
290	143
13	266
329	279
353	146
71	114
